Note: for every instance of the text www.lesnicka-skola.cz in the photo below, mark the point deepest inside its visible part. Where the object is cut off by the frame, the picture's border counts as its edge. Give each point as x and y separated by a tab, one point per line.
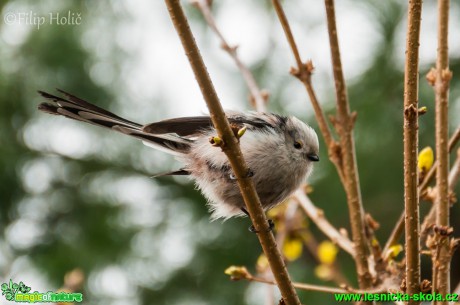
394	297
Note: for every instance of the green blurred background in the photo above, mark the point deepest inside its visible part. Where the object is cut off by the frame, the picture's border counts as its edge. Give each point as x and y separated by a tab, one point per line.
74	196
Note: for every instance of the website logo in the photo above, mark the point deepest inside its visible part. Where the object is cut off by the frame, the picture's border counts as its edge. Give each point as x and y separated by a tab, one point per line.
15	292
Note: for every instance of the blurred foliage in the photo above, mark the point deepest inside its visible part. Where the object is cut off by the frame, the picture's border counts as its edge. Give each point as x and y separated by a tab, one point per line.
81	225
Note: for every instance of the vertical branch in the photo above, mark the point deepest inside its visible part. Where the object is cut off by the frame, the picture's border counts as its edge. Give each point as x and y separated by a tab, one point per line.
303	72
411	197
233	152
258	101
336	152
344	122
430	218
441	262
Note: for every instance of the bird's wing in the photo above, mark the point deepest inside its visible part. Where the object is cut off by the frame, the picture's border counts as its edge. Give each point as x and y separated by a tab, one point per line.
191	126
186	126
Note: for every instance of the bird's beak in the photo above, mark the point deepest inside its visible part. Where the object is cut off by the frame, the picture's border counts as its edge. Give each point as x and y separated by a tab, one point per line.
313	157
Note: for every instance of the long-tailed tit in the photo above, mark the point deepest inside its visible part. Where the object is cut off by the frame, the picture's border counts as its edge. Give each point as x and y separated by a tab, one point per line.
279	150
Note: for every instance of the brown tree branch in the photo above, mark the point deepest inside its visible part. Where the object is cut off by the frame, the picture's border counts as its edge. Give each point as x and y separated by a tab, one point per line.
312	211
317	216
335	274
257	95
344	126
345	289
411	197
432	172
303	72
441	264
429	219
233	152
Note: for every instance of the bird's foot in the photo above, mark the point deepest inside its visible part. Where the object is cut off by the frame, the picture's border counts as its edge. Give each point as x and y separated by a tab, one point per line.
252	229
271	226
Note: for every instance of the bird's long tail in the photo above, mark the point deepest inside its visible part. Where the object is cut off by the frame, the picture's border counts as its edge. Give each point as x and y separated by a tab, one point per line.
80	110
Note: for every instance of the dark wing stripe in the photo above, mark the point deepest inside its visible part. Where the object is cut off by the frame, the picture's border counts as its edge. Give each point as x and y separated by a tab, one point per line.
185	126
254	122
180	172
189	126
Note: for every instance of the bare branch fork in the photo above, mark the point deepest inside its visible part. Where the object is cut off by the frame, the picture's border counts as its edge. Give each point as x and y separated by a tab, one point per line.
344	126
343	155
317	216
303	72
411	196
259	97
233	152
430	218
243	273
439	212
259	101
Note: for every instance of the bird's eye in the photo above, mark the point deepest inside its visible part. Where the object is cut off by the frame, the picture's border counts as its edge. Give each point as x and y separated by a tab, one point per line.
297	145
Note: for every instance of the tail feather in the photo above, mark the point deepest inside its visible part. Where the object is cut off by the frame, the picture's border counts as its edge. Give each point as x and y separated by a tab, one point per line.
169	142
80	110
81	107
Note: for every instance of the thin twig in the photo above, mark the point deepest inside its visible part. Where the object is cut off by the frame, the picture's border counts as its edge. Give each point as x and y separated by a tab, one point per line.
256	93
429	219
411	197
260	103
335	274
233	152
318	288
303	72
432	172
344	127
317	216
442	263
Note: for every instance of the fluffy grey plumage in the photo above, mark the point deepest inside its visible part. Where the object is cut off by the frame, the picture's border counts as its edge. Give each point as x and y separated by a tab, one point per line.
279	150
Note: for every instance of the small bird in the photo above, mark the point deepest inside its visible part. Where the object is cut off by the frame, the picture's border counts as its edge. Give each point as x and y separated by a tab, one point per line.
279	150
